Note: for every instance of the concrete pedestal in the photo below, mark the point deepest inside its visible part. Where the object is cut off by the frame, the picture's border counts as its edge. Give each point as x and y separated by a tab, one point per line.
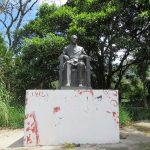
55	117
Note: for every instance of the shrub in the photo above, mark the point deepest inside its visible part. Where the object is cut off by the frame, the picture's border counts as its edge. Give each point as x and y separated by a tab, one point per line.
16	117
139	113
3	114
124	115
5	98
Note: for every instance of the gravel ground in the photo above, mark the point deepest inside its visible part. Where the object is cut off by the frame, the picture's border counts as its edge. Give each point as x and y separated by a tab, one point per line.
134	137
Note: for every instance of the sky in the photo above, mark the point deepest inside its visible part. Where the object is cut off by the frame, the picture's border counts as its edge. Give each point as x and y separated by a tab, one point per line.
31	14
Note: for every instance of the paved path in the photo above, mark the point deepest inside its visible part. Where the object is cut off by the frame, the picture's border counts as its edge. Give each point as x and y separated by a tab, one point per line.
137	137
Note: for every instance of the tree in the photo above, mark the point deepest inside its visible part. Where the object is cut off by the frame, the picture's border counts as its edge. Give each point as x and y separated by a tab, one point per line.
37	66
12	15
104	28
110	27
6	65
5	95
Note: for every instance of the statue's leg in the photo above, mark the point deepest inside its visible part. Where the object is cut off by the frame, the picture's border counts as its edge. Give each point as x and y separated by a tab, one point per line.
81	67
68	74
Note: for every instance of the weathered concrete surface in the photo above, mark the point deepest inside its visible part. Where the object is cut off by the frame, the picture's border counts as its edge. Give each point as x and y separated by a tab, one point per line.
137	138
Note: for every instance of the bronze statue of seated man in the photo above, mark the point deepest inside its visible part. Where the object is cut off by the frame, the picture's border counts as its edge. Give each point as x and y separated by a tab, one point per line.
74	56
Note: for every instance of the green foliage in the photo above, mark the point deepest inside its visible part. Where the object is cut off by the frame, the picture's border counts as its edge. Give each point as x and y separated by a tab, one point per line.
40	66
5	95
5	99
16	117
105	28
2	44
124	116
69	146
131	89
12	117
139	113
3	114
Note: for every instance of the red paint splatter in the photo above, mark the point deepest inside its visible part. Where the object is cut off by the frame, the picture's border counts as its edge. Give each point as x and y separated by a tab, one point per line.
86	91
114	115
33	128
115	93
29	139
56	109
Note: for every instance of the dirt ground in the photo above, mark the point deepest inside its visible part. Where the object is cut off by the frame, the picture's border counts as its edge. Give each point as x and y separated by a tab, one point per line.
133	137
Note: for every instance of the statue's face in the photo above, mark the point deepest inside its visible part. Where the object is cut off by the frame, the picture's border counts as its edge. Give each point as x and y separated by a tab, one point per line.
74	39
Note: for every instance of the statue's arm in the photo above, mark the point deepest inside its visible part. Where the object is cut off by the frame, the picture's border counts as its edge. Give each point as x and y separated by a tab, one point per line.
65	55
83	52
61	57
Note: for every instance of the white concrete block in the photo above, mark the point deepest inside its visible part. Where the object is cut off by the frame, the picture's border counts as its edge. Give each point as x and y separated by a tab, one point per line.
54	117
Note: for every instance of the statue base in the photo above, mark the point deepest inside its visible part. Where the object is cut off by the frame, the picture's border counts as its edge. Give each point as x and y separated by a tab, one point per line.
86	116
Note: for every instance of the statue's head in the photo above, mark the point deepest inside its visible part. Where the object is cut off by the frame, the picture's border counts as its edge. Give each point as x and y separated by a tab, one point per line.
73	39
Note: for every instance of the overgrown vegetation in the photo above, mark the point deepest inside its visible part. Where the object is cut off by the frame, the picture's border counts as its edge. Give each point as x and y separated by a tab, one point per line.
124	116
69	146
16	117
114	33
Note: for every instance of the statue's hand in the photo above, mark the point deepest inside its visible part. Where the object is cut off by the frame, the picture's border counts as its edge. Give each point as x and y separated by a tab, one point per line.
83	56
66	57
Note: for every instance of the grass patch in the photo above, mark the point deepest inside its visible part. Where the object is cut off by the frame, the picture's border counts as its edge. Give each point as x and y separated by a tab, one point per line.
3	114
69	146
16	117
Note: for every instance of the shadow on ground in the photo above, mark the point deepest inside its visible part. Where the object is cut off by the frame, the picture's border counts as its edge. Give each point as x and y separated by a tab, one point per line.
18	143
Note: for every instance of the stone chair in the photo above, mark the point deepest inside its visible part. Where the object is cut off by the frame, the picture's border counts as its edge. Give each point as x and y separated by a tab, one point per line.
74	75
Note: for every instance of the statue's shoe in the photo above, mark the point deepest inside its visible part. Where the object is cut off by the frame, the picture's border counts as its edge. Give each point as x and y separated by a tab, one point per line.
80	85
67	84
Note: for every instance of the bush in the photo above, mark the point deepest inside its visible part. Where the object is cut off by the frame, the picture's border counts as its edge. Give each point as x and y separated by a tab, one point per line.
124	116
9	116
139	113
5	99
16	117
3	114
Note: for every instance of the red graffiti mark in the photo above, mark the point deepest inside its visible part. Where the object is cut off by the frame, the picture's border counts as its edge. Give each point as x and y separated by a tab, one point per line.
29	139
28	129
114	115
32	127
114	103
86	91
39	94
56	109
115	93
35	128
